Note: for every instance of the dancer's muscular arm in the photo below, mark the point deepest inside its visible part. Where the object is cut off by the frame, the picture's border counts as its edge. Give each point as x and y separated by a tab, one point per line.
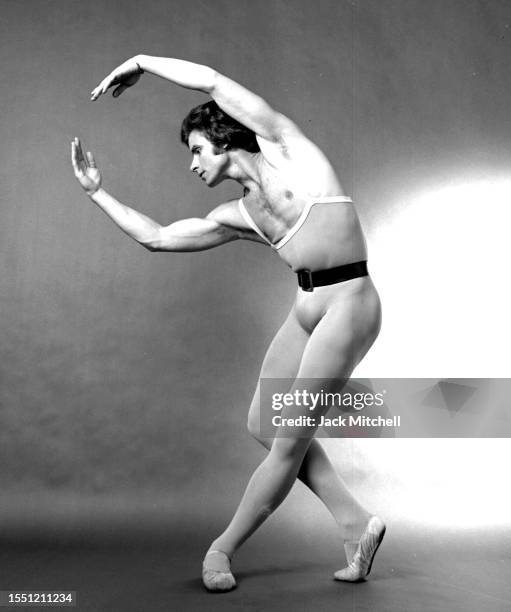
237	101
185	235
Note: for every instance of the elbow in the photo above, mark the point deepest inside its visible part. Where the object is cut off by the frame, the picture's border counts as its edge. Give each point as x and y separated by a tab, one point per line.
214	77
153	243
150	247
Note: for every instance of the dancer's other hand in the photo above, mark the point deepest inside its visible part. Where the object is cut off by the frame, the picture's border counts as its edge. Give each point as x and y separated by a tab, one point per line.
124	76
84	168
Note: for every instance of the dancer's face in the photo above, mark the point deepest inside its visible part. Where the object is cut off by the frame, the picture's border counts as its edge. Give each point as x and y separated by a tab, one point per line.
209	162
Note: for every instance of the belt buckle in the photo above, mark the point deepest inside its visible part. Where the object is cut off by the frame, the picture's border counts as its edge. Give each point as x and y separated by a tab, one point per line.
305	280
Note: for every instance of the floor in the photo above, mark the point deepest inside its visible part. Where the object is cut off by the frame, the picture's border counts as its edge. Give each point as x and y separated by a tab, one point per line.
413	571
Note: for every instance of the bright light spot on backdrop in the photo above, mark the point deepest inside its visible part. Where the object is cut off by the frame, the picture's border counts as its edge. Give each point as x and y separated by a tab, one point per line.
442	265
441	261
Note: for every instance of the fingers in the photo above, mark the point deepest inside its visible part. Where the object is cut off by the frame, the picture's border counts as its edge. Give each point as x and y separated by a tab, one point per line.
105	85
91	160
101	88
77	157
74	159
79	160
81	156
96	92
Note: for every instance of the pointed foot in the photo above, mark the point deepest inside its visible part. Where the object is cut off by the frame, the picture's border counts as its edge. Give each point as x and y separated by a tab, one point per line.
359	567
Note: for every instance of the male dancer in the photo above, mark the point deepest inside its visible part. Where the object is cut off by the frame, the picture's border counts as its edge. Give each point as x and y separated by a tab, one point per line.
294	202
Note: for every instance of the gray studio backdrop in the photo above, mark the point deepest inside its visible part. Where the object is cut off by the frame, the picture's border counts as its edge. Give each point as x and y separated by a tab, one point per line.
126	374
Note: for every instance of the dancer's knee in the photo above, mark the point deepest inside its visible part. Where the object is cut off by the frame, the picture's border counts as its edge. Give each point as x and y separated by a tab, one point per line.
254	429
254	426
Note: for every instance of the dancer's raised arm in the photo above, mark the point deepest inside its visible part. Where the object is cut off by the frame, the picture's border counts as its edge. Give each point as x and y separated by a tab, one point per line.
240	103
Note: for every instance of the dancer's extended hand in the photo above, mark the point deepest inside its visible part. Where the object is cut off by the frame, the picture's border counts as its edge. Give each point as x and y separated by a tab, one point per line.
124	76
84	168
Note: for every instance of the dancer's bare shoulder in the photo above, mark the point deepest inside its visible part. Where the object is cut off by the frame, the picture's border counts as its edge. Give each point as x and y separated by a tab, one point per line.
294	152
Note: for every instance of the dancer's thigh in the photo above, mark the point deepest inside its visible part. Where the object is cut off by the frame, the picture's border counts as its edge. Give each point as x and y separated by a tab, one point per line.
282	360
341	339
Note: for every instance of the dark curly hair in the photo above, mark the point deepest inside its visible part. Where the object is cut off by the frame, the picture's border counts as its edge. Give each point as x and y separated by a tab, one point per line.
218	127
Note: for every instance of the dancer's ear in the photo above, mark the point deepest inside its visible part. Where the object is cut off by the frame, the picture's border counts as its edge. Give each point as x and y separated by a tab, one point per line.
219	149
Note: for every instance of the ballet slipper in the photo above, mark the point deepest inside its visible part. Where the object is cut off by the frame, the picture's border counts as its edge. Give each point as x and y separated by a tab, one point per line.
217	579
360	563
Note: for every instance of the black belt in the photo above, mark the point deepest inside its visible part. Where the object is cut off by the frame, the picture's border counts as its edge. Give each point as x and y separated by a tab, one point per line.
307	280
